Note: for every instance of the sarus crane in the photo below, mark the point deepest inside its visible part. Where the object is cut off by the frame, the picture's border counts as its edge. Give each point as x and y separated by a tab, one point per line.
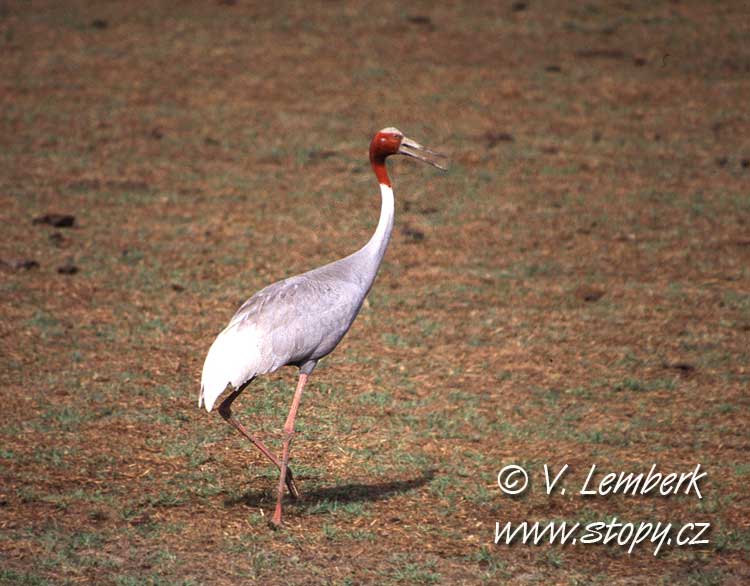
301	319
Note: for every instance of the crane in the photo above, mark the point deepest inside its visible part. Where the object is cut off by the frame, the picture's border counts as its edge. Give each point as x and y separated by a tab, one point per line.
301	319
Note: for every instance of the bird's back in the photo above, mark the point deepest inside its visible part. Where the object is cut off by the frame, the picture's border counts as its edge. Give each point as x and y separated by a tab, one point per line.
294	321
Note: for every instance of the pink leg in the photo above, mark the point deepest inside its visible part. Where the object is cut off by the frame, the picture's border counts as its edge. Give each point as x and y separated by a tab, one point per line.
226	413
288	434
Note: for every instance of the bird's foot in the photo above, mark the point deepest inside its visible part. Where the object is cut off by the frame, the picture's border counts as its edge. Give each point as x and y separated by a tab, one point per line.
275	522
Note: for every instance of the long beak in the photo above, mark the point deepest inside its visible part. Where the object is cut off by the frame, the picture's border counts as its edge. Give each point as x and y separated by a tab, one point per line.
411	148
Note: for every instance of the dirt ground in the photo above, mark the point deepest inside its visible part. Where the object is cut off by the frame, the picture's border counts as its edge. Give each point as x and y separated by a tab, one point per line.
575	290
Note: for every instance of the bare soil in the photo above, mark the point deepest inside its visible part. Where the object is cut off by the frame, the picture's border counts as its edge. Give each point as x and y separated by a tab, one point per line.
575	290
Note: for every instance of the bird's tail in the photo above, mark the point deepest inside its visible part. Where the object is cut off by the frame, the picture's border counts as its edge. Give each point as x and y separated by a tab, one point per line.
234	358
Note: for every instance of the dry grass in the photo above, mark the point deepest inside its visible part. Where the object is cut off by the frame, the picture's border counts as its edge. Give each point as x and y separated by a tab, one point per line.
581	294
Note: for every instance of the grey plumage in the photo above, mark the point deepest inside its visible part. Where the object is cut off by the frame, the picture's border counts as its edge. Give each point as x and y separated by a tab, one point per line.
296	321
307	315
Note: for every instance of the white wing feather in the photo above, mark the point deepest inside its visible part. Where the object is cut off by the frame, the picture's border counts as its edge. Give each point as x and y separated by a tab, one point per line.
234	358
289	322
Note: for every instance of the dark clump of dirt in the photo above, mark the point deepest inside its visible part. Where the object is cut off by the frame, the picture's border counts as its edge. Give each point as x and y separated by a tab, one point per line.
494	137
589	293
684	368
57	239
422	21
412	234
20	264
56	220
67	268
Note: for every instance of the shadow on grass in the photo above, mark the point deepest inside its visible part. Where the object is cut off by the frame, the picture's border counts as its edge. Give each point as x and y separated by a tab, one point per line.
342	493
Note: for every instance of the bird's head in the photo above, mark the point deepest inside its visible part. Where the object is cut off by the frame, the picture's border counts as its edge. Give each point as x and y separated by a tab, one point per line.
391	141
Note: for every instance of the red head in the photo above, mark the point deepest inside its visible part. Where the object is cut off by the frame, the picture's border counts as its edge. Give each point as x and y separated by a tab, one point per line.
391	141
